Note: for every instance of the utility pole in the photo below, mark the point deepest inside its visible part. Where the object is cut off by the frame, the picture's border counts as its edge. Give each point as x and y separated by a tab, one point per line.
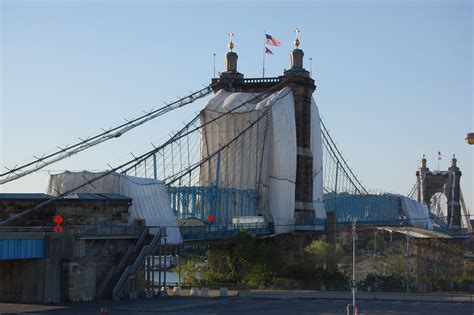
408	263
375	241
354	287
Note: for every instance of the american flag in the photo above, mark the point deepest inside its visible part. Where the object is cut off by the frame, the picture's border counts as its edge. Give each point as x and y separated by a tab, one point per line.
268	51
272	40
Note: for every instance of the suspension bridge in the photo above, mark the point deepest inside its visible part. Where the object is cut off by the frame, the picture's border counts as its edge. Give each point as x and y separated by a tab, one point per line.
258	157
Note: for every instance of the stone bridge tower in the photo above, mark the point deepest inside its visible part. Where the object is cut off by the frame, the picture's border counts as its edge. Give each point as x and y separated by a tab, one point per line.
302	86
447	182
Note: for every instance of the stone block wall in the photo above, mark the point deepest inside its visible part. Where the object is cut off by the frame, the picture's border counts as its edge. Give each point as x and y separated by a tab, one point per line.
79	280
94	213
304	178
8	208
20	281
302	87
75	212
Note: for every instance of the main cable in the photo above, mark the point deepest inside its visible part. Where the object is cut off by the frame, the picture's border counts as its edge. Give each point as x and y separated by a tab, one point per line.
114	132
137	160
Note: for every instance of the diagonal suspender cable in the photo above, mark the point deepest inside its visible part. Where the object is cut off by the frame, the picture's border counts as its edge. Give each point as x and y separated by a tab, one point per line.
114	132
339	156
183	173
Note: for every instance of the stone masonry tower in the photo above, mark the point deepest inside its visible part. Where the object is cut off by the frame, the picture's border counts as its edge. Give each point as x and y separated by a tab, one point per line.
453	193
302	86
447	182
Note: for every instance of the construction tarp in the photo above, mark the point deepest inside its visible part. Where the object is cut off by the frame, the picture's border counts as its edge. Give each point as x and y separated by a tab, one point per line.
416	213
317	152
266	163
150	200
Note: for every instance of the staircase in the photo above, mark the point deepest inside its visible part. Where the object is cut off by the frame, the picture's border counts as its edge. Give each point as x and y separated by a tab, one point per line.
112	276
133	268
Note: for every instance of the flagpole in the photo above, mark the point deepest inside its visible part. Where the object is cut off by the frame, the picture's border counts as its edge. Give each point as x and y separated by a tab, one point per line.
263	65
438	159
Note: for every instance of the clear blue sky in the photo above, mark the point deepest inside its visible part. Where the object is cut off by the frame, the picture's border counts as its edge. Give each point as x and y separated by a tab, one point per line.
394	78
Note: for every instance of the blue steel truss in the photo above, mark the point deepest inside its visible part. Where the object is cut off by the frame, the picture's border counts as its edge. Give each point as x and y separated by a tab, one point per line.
223	203
366	209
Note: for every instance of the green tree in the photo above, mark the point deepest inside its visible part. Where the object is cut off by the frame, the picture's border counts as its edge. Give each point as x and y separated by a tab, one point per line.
253	263
395	263
324	255
188	270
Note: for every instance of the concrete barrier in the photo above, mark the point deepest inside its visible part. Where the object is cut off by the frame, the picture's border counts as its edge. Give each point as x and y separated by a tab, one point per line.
194	291
223	292
205	292
176	291
244	293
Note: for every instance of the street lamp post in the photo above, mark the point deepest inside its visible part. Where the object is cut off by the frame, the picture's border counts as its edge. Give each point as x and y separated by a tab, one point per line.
408	263
354	287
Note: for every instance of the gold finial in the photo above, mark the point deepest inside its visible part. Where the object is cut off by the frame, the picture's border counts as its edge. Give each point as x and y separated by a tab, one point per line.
231	44
297	41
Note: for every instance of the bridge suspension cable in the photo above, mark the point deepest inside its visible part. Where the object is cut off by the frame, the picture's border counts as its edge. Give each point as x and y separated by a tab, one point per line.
332	151
140	159
465	211
114	132
413	190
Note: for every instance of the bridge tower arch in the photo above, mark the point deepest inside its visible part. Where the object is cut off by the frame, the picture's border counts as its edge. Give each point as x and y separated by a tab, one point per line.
298	79
447	182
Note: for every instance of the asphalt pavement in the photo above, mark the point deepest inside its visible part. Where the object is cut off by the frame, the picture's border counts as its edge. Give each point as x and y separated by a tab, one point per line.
237	305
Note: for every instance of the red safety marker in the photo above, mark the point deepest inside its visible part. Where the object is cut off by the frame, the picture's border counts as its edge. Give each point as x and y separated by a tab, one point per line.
210	218
58	220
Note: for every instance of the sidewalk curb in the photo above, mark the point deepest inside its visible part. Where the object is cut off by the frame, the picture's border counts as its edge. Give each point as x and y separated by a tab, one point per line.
309	295
172	308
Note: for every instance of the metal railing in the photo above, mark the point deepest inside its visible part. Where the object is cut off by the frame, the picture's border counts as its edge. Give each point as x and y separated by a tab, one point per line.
130	270
205	232
262	80
26	229
85	230
116	269
251	80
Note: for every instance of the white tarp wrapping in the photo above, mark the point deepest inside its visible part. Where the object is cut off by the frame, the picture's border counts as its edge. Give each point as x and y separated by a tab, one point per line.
416	213
281	162
238	164
317	151
268	166
150	201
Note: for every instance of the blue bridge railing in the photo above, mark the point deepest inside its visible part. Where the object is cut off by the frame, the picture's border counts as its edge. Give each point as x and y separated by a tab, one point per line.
206	232
366	209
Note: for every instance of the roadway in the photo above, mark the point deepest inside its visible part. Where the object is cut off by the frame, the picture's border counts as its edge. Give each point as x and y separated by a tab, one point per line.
260	306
